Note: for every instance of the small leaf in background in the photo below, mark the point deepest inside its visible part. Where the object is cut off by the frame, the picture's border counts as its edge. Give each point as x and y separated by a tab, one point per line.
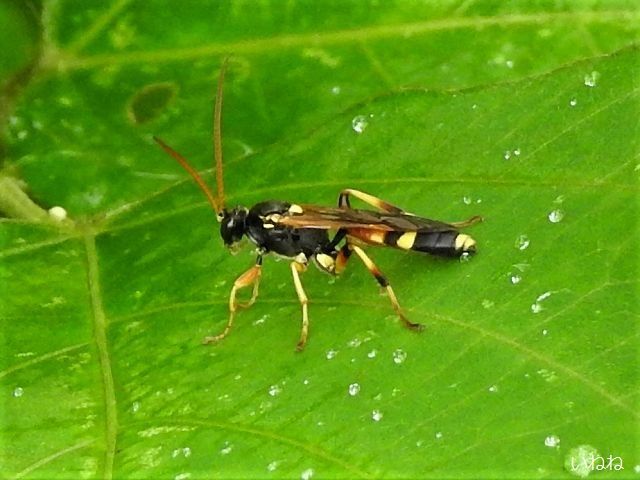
526	115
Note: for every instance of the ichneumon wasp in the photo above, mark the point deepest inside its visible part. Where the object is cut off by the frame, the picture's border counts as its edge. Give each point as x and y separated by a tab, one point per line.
301	233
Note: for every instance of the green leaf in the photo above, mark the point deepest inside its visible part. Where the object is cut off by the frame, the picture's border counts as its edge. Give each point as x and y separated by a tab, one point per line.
529	355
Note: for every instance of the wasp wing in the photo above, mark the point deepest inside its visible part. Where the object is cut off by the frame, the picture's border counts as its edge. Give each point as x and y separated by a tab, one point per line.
329	218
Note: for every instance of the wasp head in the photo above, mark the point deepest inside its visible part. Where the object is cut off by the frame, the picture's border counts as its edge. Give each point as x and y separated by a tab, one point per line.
232	226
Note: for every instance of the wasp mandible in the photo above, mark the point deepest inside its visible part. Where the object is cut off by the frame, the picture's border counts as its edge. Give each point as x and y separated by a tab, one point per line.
302	233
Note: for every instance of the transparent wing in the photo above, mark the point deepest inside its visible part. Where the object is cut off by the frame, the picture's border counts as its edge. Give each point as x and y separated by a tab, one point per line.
329	218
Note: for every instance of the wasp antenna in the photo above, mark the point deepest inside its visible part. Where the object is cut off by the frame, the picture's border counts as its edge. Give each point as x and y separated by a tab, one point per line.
217	134
194	174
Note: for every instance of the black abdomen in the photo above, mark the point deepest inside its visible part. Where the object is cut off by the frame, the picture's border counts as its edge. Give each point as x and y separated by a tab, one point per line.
447	243
437	243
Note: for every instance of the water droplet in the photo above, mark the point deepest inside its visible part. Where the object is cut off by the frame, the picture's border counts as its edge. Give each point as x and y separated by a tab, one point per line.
261	320
135	406
493	388
354	342
331	354
515	279
335	90
465	257
272	467
545	332
182	476
543	296
305	381
466	200
377	415
507	155
556	215
522	242
18	392
438	435
516	152
307	474
372	353
419	443
573	102
591	79
399	356
547	375
487	303
579	460
359	123
226	449
636	468
552	441
354	389
509	63
274	390
536	308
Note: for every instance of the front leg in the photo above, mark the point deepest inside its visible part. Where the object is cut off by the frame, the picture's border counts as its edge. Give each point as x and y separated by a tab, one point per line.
250	277
296	269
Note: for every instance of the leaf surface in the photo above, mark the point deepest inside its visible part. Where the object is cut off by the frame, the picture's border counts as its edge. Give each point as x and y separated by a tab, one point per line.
531	346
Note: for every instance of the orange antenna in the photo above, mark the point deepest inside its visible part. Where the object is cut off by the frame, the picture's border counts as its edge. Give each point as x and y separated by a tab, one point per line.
194	174
217	203
217	134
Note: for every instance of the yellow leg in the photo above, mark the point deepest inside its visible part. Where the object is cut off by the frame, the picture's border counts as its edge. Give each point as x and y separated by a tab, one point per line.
468	222
343	201
250	277
254	292
375	271
296	270
341	260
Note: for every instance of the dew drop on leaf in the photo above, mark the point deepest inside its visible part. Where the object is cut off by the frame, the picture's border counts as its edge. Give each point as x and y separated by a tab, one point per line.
465	257
399	356
331	354
274	390
552	441
359	123
377	415
522	242
226	449
591	79
354	389
556	216
18	392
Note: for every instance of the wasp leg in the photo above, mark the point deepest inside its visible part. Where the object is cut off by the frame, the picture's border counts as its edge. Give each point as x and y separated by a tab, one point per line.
250	277
375	271
343	201
468	222
296	269
341	260
254	292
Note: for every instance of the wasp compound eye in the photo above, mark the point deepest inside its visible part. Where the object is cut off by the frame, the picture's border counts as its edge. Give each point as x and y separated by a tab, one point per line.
232	227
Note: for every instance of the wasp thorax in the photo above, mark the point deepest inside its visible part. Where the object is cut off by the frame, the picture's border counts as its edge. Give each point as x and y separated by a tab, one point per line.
232	226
